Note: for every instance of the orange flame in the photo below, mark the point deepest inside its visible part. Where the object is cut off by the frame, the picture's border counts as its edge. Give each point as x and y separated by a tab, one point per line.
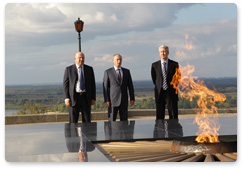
207	115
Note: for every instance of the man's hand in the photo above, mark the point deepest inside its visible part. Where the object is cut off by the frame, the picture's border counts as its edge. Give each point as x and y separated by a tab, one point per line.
132	102
107	104
67	102
92	102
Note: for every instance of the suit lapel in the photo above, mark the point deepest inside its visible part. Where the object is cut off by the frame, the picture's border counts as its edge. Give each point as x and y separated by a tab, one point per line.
169	67
116	76
159	66
75	73
160	69
123	75
85	71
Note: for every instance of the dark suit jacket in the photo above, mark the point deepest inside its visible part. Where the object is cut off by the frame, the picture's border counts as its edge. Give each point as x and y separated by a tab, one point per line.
70	79
157	78
113	91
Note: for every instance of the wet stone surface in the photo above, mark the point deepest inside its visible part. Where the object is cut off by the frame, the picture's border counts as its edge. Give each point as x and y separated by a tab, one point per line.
71	142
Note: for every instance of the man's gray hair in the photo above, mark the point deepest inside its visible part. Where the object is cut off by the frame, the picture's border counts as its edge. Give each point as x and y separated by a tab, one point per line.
164	46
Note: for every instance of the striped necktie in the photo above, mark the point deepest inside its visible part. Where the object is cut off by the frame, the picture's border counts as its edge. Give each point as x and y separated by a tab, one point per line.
164	85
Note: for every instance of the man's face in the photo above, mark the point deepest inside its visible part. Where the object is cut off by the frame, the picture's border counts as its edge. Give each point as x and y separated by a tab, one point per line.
163	52
79	59
117	60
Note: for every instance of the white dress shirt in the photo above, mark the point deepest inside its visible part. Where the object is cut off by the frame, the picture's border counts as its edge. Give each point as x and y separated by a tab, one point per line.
78	90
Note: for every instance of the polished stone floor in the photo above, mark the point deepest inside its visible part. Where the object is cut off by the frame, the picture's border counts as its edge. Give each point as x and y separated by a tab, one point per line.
76	142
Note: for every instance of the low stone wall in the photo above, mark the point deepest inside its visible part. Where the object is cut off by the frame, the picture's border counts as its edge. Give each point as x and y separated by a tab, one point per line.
63	117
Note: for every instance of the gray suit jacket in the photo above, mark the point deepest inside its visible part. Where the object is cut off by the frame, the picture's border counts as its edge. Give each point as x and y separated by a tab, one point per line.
113	91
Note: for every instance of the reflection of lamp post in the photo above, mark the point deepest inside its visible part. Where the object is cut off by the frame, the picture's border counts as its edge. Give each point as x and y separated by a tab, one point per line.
79	24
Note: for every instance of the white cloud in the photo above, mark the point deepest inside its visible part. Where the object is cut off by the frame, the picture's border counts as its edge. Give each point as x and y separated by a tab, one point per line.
100	17
141	49
101	61
133	30
59	17
232	48
28	68
32	18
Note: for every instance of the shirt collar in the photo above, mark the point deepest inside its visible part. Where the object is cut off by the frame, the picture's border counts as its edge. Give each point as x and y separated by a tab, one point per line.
164	61
77	66
116	68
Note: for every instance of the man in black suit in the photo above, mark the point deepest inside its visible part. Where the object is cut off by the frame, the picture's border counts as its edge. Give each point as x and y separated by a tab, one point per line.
162	73
117	80
79	89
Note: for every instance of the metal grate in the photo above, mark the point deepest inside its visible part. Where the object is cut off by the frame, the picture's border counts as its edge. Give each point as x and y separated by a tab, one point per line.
156	151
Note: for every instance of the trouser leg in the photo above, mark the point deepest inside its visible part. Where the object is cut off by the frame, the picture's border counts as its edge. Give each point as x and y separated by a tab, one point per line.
160	106
160	110
123	112
85	109
73	113
172	108
113	113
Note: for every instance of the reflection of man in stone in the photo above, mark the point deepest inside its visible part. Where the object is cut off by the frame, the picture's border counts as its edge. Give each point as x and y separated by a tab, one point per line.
76	141
82	154
168	129
122	130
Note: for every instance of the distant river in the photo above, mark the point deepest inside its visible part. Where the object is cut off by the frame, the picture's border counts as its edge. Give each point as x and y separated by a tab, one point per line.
9	112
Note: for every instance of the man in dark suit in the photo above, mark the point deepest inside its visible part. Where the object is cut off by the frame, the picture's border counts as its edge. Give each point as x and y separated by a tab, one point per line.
162	73
117	80
79	89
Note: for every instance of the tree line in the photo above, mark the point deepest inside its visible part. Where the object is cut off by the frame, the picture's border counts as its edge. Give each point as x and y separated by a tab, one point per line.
140	103
42	99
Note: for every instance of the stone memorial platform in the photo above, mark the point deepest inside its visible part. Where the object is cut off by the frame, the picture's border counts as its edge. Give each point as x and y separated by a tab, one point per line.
96	141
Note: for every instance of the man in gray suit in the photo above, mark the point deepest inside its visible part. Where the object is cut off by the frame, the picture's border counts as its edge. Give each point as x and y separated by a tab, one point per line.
117	80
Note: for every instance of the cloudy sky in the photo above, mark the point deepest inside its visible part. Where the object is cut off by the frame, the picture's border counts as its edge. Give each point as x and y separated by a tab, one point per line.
40	39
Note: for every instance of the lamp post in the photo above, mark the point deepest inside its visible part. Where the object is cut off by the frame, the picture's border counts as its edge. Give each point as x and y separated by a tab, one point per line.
79	24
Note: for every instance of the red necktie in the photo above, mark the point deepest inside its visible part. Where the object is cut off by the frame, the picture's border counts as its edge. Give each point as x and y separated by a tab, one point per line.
119	76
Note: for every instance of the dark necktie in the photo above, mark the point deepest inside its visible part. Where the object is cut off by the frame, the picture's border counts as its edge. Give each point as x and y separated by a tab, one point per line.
164	85
119	76
81	84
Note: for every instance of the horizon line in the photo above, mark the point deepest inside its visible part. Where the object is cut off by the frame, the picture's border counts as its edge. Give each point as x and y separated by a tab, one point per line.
60	83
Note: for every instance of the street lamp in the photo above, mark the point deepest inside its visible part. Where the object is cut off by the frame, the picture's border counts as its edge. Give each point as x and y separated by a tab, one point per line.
79	24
